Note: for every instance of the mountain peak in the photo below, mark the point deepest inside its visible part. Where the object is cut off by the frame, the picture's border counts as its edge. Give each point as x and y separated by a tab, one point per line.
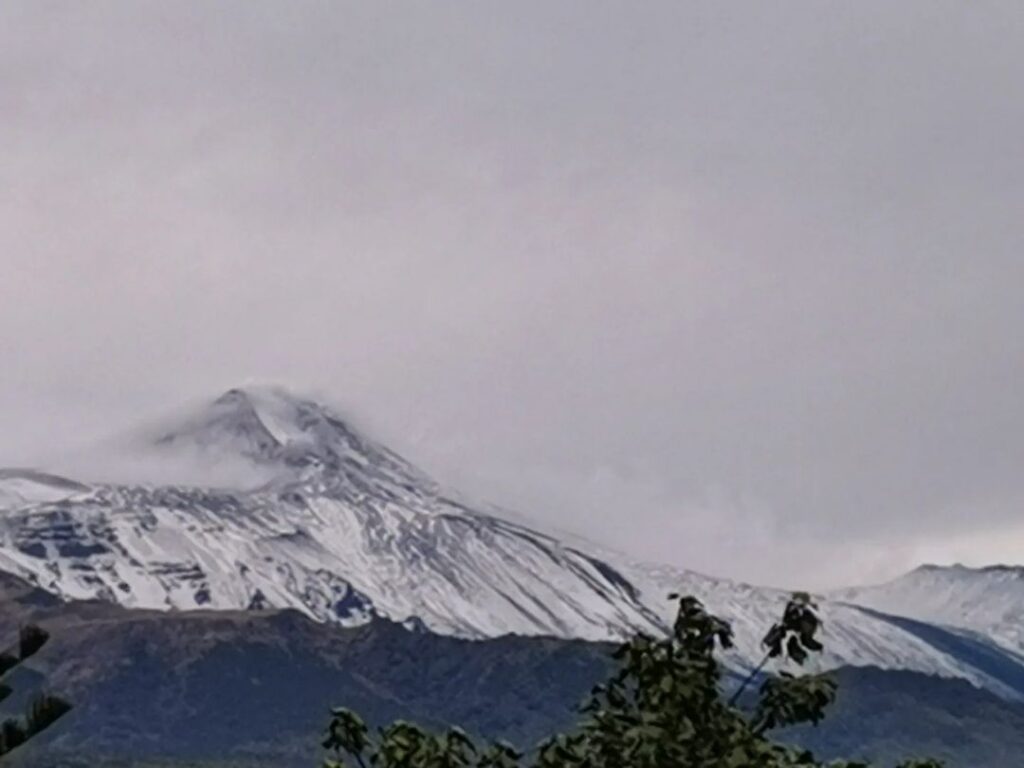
275	429
230	424
253	395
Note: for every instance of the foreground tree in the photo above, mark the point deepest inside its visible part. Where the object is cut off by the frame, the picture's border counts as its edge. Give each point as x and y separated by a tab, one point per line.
43	710
663	708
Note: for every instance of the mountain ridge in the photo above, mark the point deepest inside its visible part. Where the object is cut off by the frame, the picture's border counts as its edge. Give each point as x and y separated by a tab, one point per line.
343	530
988	600
254	688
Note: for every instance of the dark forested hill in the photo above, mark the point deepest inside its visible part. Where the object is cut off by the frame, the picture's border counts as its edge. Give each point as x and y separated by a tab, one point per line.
254	689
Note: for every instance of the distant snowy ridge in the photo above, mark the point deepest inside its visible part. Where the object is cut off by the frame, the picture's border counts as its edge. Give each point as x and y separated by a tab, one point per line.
343	529
24	487
989	600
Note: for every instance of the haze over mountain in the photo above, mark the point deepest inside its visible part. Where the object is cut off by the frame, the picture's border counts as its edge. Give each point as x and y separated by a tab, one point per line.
630	267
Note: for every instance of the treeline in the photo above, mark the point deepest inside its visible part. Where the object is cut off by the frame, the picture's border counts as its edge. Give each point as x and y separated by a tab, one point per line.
664	707
43	710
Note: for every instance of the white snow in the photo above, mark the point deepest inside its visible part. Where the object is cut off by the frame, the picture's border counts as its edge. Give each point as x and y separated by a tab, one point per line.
20	488
347	530
988	600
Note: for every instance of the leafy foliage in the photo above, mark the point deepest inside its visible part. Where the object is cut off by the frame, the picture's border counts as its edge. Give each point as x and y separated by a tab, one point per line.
8	661
12	735
43	712
663	707
44	709
30	640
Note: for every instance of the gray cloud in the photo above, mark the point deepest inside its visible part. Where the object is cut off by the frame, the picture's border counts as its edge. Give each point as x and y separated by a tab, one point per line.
714	283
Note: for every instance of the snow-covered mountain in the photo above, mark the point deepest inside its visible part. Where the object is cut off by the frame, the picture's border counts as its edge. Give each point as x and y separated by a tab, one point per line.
988	600
24	487
343	529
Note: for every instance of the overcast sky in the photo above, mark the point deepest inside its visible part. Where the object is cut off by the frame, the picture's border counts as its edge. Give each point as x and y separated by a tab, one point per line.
735	286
